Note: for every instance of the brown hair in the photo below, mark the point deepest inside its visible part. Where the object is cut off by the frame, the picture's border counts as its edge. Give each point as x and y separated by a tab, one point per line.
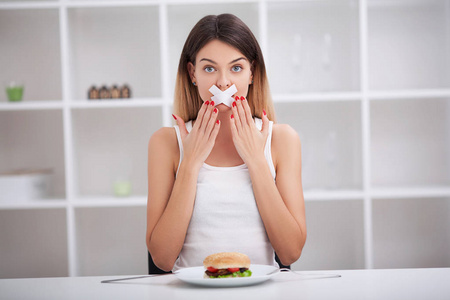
229	29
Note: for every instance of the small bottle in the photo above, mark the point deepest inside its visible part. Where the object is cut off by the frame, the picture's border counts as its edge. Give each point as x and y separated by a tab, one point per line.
104	93
115	92
122	188
93	93
125	91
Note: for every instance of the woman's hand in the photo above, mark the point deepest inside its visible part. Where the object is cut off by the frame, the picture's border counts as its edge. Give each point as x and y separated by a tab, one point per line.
248	140
197	144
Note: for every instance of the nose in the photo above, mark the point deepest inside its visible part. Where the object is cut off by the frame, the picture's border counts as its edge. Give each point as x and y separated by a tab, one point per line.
223	82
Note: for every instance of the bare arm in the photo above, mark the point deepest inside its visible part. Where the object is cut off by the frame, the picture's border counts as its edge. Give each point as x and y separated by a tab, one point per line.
280	204
170	199
170	203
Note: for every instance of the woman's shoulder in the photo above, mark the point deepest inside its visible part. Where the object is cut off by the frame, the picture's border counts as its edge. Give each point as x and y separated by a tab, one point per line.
163	147
284	133
163	140
163	135
285	142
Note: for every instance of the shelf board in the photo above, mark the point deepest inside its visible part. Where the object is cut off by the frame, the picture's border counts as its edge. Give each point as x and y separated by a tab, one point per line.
409	94
277	98
108	3
105	201
34	204
30	105
113	103
309	195
333	195
111	3
410	192
389	4
316	97
29	5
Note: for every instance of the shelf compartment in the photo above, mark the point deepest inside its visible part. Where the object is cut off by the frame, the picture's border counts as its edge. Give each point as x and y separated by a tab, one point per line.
411	233
320	45
182	19
111	241
34	140
333	225
114	45
34	243
330	133
410	142
28	64
112	149
408	44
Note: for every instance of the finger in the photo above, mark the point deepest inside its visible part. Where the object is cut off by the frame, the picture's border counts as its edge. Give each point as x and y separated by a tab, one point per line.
234	131
181	125
200	114
241	113
234	109
248	111
215	131
265	123
206	117
212	121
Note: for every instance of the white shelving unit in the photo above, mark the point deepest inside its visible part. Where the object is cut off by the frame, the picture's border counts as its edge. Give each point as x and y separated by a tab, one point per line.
365	83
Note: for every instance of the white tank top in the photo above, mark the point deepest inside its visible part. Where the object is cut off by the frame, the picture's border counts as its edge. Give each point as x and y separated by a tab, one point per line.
225	216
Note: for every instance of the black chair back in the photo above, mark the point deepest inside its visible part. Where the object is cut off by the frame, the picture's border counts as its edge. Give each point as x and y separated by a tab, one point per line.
152	268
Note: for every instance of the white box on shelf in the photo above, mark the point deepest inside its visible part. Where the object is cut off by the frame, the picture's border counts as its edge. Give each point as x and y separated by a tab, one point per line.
25	185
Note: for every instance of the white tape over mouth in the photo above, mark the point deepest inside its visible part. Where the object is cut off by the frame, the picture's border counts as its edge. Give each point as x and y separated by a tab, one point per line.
223	96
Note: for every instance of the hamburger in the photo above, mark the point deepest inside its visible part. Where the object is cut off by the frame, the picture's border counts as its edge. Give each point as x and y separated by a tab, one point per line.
227	265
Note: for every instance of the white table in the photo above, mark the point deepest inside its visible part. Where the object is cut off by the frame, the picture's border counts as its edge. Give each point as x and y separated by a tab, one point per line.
354	284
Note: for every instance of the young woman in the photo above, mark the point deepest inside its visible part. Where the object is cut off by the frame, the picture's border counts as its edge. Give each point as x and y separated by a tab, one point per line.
225	178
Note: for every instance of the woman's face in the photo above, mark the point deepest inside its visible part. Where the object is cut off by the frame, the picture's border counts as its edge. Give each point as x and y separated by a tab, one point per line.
223	65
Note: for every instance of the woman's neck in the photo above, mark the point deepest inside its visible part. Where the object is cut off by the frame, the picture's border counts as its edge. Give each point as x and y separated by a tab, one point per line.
225	126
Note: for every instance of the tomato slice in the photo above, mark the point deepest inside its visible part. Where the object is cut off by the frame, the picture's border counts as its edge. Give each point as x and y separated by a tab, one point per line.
211	269
232	270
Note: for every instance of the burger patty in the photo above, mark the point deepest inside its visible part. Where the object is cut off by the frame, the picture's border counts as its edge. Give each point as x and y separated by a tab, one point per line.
223	272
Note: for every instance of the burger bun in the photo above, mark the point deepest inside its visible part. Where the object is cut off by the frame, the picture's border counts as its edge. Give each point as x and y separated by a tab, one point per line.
225	260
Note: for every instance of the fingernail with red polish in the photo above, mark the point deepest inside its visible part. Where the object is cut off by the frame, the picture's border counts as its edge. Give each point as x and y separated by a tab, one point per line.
174	116
232	116
212	103
237	98
218	122
264	112
215	110
242	98
207	102
234	104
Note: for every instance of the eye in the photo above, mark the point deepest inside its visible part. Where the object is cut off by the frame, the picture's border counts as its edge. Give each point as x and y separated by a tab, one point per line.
237	68
209	69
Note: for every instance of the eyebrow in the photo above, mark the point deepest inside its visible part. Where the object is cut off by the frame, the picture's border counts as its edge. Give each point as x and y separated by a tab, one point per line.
232	62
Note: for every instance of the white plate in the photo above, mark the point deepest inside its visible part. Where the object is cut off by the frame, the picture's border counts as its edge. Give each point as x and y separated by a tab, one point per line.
260	273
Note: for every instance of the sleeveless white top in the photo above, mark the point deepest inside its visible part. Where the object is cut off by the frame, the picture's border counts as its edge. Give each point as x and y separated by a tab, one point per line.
225	216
